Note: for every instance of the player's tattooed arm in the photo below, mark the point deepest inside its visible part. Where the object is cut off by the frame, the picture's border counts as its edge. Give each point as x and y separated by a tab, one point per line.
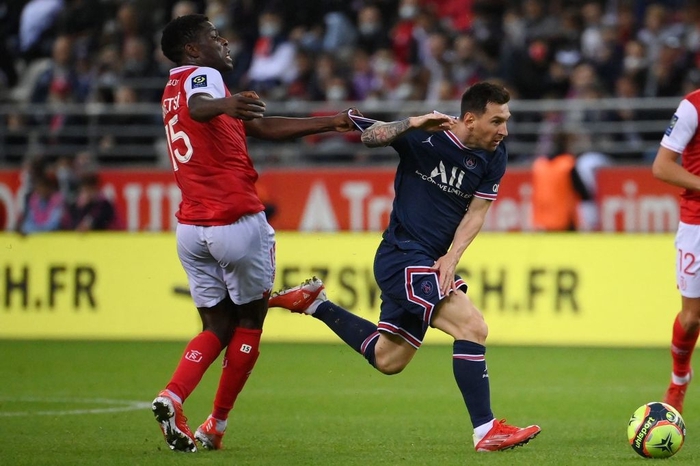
382	134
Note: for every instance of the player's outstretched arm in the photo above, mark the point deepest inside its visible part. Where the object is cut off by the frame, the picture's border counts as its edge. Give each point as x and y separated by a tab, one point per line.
384	133
282	128
245	105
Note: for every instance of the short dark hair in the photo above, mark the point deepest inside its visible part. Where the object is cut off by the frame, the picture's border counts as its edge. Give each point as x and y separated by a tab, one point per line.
179	32
476	97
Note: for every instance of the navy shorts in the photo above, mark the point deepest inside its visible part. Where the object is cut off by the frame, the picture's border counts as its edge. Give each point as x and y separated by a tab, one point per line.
410	291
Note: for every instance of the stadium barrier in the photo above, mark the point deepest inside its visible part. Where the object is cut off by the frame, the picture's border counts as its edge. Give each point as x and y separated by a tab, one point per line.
629	199
534	289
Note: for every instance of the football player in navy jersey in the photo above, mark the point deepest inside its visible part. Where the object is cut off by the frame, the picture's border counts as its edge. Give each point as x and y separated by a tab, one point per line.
448	174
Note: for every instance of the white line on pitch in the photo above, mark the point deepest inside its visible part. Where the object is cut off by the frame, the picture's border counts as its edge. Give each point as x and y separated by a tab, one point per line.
125	406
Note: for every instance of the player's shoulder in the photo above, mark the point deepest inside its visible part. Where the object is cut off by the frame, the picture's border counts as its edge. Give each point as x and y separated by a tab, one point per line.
694	98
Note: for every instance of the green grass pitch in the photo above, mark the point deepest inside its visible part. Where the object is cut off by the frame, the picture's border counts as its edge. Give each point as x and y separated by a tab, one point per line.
83	403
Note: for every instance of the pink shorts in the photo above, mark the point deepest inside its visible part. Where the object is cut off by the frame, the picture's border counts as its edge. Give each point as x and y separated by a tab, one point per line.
238	259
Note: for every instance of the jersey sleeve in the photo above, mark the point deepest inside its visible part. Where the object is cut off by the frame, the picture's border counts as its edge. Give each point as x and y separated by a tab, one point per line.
205	80
488	188
682	127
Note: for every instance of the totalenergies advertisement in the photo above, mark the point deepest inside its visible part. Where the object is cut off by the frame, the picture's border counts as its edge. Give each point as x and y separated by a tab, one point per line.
534	289
328	200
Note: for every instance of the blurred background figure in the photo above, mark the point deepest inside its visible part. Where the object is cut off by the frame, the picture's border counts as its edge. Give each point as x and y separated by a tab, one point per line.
554	197
44	208
91	210
273	61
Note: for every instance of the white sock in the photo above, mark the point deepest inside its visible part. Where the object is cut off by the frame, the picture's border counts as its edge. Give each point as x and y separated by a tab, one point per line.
220	424
680	380
482	430
174	397
312	307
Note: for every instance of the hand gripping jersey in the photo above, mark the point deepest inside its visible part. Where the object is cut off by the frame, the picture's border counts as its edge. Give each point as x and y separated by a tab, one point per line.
682	137
210	160
436	179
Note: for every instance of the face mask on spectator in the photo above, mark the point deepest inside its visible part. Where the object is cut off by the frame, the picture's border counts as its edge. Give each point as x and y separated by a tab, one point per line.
408	11
634	63
382	65
269	29
367	29
336	93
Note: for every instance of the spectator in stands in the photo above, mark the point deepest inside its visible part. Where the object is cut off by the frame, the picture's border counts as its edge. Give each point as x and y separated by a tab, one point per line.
607	57
36	28
138	68
592	41
467	67
125	135
656	29
665	76
372	29
9	29
91	210
45	206
60	74
437	64
340	34
404	44
272	64
389	72
626	89
363	80
15	137
183	8
62	127
539	24
635	63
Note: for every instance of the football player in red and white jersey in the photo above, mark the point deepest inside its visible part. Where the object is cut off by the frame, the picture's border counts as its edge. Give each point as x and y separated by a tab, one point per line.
224	241
682	140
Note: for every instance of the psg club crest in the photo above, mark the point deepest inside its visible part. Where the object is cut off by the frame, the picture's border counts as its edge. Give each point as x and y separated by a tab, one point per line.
426	288
470	163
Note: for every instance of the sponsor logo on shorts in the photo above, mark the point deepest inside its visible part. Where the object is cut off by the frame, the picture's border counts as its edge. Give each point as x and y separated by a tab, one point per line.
199	81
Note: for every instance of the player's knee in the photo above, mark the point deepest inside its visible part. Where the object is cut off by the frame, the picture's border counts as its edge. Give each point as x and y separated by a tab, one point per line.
473	329
389	366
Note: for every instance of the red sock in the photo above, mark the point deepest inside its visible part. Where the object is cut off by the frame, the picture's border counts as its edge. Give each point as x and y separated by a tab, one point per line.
241	354
200	352
682	346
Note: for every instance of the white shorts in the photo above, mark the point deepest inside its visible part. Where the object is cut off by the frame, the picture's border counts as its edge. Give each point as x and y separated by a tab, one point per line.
237	258
688	260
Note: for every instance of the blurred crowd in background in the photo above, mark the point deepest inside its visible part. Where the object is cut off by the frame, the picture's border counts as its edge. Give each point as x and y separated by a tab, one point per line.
107	50
62	52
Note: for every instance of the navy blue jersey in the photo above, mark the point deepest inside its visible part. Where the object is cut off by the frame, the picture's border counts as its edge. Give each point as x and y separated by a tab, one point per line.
436	179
